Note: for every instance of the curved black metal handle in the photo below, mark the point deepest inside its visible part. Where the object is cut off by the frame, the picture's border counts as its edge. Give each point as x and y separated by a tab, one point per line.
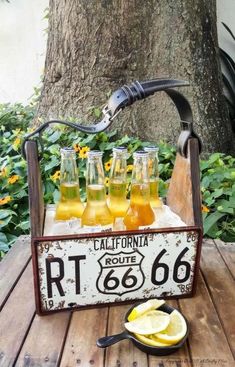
127	95
106	341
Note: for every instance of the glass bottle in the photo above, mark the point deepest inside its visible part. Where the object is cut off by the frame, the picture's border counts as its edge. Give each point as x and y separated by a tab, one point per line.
70	205
153	176
96	215
140	214
117	201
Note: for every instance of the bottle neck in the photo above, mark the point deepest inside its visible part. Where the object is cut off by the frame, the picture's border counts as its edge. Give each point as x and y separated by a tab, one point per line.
68	169
140	173
118	168
140	189
153	166
95	172
95	186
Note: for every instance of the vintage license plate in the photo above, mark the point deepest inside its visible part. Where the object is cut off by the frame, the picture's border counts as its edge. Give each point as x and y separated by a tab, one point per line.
98	269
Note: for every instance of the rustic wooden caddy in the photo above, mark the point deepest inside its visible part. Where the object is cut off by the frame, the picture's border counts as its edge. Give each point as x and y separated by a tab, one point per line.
79	280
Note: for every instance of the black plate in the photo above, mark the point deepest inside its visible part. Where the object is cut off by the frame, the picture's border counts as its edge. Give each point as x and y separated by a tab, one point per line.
157	351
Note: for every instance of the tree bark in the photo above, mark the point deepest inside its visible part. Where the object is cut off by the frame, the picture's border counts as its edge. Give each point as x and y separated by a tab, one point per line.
96	46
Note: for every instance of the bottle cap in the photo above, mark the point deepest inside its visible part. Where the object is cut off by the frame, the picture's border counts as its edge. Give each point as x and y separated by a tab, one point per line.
140	153
151	148
94	154
67	151
120	150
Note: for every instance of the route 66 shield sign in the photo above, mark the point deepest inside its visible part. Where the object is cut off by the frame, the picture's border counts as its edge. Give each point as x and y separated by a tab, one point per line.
120	273
83	270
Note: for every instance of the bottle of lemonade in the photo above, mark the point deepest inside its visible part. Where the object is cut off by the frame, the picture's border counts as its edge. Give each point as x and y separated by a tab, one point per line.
153	176
96	215
70	205
140	214
117	202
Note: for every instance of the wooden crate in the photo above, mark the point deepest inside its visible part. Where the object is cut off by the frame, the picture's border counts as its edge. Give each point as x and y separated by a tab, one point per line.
76	271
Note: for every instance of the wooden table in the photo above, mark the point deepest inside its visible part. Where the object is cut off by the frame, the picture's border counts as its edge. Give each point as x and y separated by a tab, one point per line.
69	338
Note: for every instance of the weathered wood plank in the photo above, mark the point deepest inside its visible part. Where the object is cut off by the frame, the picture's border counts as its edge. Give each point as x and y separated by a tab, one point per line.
12	266
222	289
184	191
227	251
36	203
180	358
123	353
16	317
44	341
80	348
207	341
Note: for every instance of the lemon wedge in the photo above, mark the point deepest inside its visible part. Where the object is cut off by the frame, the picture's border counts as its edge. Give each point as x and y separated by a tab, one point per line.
151	322
151	304
150	340
175	330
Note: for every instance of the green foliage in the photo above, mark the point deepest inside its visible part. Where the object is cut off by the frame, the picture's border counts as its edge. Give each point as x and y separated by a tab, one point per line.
15	116
217	173
218	196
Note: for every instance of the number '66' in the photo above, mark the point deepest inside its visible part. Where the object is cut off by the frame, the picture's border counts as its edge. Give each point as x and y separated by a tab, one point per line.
165	269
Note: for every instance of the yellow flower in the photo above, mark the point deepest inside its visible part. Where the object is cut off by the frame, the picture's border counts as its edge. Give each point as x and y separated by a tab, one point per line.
16	131
129	168
205	209
83	152
3	172
107	165
56	176
76	147
5	200
11	180
106	181
16	143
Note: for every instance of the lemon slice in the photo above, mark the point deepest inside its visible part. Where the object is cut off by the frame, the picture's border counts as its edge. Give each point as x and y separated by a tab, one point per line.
151	340
151	304
151	322
175	331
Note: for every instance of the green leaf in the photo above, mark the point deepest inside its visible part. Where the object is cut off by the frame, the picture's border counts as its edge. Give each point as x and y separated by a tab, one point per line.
124	140
214	157
224	206
55	162
217	193
21	194
54	149
232	202
87	140
24	225
55	136
228	237
213	231
4	213
209	201
4	246
5	222
11	238
211	219
3	237
49	187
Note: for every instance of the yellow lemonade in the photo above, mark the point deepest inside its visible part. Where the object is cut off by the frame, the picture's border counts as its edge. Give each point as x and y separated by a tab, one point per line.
96	212
154	197
140	212
70	205
117	202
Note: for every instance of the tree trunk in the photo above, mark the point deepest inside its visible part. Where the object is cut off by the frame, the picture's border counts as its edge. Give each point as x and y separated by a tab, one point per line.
96	46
